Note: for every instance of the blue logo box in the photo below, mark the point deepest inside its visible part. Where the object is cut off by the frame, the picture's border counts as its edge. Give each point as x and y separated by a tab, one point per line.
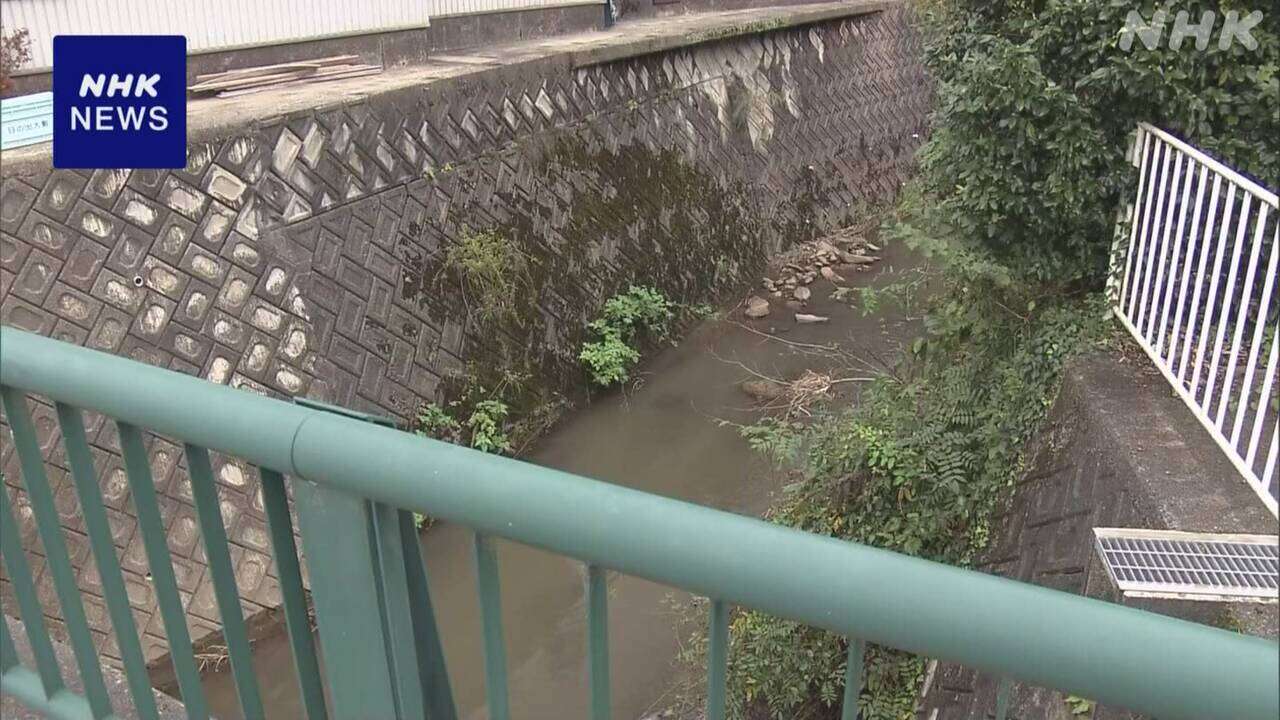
119	101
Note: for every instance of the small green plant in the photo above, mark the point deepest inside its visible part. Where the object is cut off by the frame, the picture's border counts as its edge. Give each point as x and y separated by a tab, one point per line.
639	307
484	430
775	438
1079	706
905	294
609	359
491	271
435	422
485	423
702	311
611	356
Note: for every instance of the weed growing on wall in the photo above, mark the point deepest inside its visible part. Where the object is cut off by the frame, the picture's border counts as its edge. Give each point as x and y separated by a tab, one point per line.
610	357
486	426
478	419
491	271
435	422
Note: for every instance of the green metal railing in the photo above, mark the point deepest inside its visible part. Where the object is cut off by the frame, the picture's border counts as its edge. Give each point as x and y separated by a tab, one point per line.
354	484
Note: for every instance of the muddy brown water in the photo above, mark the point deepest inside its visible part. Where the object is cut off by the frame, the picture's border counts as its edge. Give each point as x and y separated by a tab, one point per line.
662	437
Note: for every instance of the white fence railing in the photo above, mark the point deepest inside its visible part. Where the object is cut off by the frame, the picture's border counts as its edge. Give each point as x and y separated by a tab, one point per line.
1194	281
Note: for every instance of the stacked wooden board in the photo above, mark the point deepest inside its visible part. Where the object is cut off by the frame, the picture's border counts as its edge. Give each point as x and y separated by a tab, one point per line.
245	81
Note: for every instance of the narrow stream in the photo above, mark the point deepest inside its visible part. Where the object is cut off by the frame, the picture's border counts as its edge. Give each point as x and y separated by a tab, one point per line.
662	438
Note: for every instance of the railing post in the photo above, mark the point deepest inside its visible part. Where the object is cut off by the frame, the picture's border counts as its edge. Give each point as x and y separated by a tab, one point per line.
378	636
598	641
853	679
337	543
495	649
717	660
431	668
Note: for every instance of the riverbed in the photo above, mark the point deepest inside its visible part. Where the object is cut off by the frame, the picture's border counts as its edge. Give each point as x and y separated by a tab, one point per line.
666	434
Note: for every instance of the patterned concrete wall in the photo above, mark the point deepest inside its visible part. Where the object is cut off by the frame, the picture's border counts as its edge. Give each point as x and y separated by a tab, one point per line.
304	256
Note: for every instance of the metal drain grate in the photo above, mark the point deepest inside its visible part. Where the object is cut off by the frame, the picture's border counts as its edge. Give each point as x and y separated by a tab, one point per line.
1191	566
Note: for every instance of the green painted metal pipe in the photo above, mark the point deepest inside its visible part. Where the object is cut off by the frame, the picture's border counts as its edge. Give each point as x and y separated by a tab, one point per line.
201	413
24	685
1118	656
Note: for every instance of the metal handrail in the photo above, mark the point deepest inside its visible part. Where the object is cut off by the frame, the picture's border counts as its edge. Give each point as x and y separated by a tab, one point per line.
1119	656
1193	222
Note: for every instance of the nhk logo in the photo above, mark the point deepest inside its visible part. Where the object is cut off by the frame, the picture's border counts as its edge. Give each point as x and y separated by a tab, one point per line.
110	117
119	101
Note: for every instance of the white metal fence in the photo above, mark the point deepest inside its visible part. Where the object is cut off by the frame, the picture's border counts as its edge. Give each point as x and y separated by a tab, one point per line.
1194	281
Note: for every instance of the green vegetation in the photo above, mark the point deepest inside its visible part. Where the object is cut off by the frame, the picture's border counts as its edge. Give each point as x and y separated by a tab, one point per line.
491	271
611	356
483	430
486	426
776	438
435	422
1078	706
1014	206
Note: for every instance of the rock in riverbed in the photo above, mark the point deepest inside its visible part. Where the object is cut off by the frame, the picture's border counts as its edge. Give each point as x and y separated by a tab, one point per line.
757	307
857	259
762	389
806	262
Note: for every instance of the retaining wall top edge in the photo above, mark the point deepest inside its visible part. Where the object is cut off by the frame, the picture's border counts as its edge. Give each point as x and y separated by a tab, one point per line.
212	118
1176	474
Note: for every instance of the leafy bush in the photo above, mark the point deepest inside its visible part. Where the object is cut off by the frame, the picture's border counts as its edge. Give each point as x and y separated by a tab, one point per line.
776	438
611	356
1029	186
1037	100
484	429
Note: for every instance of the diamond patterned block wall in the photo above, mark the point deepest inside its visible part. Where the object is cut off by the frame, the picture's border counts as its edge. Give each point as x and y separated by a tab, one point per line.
303	255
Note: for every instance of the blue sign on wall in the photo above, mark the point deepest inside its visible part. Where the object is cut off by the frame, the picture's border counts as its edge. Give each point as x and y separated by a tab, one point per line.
119	101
